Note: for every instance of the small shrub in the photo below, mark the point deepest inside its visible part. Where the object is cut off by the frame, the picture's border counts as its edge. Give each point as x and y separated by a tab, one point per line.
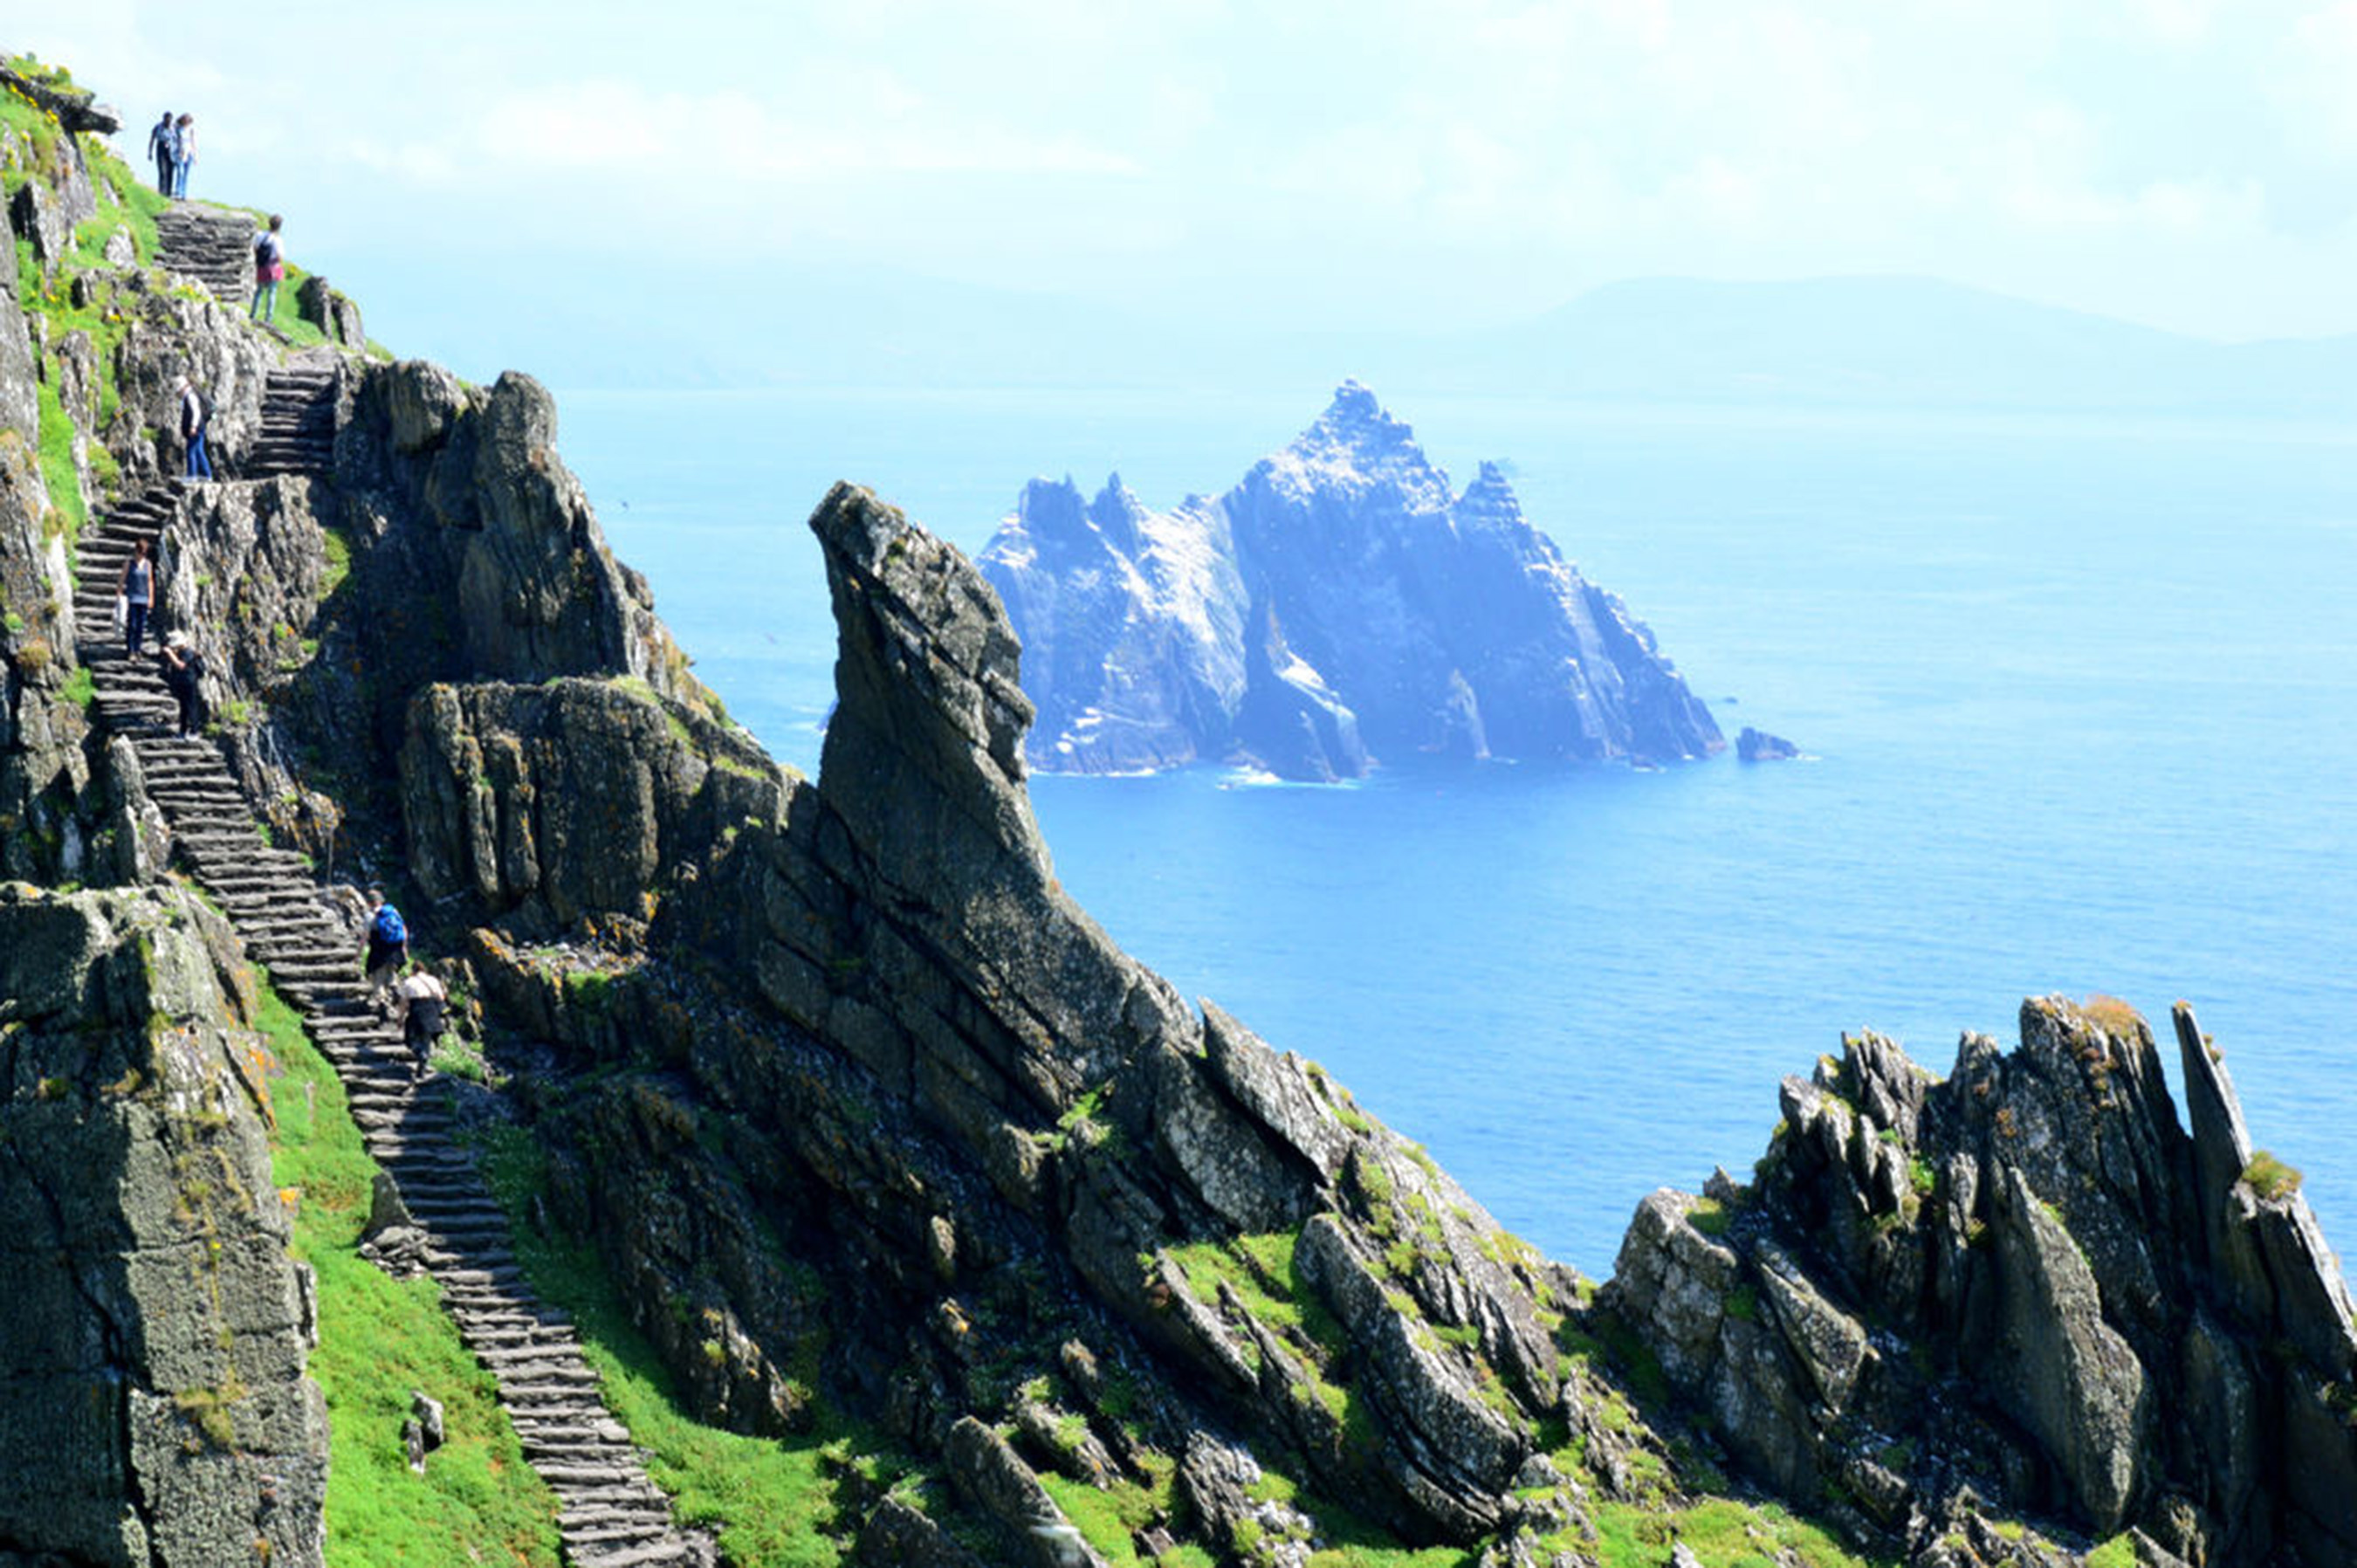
1710	1216
2111	1014
2270	1178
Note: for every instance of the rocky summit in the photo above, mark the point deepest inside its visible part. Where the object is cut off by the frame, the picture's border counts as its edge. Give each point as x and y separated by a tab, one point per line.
1341	604
803	1178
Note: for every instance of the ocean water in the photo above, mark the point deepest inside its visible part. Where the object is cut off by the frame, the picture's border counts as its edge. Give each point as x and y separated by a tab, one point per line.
2077	698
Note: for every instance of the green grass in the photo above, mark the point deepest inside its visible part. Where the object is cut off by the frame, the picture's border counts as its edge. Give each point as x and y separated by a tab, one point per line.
2270	1178
1710	1216
774	1501
339	561
1107	1519
81	690
2119	1551
477	1502
1720	1531
58	471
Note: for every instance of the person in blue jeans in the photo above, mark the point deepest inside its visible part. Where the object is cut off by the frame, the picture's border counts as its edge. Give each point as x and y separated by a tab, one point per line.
269	268
138	591
184	149
192	430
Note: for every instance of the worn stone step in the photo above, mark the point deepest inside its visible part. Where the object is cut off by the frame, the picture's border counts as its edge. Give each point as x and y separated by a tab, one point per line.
609	1535
458	1205
673	1550
608	1516
512	1353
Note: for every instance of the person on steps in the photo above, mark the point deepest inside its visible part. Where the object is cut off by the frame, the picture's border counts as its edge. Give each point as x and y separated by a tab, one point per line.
164	146
418	1002
184	153
388	944
182	667
269	269
194	417
137	591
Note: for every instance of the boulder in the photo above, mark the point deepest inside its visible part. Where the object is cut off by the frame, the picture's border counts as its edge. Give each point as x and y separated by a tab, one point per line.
1759	746
333	313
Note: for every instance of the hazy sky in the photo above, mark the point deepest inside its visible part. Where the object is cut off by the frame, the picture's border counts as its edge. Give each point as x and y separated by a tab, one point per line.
2186	163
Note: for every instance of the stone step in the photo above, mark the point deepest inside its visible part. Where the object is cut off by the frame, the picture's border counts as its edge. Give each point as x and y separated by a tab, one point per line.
511	1334
611	1517
618	1533
476	1206
673	1550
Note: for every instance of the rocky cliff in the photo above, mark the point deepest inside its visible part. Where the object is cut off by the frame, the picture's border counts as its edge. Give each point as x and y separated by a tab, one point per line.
872	1144
153	1409
2024	1280
1341	603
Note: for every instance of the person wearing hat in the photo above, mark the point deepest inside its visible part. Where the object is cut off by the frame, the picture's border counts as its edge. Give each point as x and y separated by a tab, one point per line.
182	666
194	417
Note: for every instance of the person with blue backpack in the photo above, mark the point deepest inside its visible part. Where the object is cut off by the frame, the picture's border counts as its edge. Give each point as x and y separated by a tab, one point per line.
388	942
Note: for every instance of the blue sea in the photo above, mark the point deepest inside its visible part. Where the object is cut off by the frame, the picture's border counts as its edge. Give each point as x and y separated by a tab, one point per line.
2076	698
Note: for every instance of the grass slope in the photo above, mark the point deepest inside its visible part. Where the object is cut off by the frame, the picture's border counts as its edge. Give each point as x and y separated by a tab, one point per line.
775	1503
478	1503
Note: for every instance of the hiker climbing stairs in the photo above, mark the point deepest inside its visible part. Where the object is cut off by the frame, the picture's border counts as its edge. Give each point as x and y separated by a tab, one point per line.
610	1514
129	691
212	244
299	420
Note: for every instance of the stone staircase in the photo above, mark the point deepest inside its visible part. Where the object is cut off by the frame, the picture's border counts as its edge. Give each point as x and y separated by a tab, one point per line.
212	245
610	1515
130	695
298	419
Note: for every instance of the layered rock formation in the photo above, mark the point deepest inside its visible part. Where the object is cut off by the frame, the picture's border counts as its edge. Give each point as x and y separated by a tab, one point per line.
2024	1280
153	1409
1339	603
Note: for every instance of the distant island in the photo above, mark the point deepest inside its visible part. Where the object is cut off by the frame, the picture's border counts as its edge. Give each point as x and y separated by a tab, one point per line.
1341	604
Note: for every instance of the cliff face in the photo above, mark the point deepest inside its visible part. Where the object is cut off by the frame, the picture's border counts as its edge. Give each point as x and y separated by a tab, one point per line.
1013	1150
153	1404
1341	602
2027	1279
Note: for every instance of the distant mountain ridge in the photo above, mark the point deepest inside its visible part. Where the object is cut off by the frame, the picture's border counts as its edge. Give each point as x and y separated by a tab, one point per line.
1867	341
1339	604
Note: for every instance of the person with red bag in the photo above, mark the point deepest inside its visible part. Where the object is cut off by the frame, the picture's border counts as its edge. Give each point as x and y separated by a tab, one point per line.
269	269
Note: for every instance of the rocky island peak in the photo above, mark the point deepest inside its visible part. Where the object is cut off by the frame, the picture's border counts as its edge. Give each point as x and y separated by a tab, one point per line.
1339	604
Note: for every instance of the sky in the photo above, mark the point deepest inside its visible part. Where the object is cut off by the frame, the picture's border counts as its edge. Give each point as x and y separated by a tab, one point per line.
1328	164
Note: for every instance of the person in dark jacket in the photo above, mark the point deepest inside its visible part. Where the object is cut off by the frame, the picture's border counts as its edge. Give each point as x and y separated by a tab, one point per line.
388	947
164	146
182	667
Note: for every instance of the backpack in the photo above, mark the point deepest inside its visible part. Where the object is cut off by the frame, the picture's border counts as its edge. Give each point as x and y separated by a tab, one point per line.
388	929
265	249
